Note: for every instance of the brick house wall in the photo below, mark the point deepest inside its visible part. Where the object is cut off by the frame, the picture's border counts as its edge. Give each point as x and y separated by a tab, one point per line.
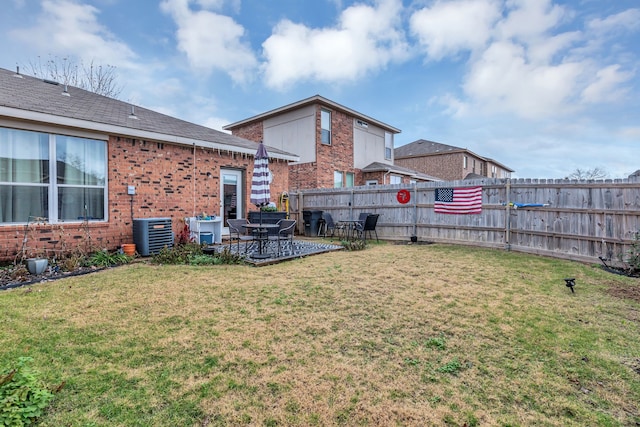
252	131
446	166
168	184
380	177
335	157
339	155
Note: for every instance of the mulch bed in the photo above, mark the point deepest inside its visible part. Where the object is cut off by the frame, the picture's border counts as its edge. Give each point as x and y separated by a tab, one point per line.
17	276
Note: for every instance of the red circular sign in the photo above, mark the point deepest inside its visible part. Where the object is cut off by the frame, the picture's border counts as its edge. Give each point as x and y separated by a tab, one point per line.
403	196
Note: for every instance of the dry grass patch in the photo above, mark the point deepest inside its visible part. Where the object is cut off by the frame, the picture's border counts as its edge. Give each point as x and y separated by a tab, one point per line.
393	335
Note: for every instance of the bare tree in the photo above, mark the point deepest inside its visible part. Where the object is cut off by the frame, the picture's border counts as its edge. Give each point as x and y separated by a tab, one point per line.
93	77
595	173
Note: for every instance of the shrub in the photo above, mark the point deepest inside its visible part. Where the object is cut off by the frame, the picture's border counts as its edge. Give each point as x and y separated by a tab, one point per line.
191	253
106	259
633	256
23	396
179	254
354	245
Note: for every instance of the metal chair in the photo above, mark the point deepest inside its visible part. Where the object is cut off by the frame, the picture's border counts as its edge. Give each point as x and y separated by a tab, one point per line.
330	227
368	225
286	230
236	228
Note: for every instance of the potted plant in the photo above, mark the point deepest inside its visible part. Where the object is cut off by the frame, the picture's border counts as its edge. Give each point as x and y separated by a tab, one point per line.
34	259
37	265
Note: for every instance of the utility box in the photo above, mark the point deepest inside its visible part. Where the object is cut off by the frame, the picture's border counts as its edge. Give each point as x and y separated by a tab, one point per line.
152	234
311	222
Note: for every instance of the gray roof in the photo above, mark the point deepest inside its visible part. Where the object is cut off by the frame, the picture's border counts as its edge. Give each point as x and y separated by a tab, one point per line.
316	99
30	98
383	167
423	147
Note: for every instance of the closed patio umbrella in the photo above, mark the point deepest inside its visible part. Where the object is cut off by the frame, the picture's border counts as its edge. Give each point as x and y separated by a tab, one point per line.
260	190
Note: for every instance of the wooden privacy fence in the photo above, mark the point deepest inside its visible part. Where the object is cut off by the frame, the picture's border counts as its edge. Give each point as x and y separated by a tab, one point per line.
580	220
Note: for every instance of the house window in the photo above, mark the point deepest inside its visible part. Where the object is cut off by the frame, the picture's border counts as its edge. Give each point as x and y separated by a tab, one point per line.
395	179
27	188
350	179
464	162
325	125
493	171
337	179
388	145
372	182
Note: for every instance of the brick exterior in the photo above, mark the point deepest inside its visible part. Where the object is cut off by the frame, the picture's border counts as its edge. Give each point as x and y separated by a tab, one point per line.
446	166
252	131
339	155
168	184
335	157
380	177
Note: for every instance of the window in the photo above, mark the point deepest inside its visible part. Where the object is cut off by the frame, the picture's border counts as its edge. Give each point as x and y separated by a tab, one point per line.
493	171
351	178
337	179
372	182
464	162
27	188
388	145
325	125
395	179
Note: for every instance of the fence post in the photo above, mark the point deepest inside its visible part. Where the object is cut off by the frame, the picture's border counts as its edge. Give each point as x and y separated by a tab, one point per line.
507	222
415	211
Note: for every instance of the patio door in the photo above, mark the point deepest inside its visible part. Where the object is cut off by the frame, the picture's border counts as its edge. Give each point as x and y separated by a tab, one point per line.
231	195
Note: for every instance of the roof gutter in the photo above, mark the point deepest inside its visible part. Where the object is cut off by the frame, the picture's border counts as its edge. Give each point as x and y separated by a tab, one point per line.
130	132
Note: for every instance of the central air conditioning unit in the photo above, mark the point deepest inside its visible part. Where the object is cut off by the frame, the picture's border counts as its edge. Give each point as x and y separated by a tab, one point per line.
152	234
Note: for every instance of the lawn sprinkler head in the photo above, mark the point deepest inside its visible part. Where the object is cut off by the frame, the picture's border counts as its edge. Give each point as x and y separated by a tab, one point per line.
570	282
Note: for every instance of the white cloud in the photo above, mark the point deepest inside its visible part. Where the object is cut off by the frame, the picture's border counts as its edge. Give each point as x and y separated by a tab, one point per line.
529	20
626	20
211	41
365	39
502	80
520	62
607	85
447	28
68	28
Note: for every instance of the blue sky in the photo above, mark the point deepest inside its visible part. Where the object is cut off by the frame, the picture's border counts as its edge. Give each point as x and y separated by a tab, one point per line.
541	86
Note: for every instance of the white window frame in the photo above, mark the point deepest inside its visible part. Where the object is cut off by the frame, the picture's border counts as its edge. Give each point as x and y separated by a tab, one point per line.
388	146
53	186
338	179
396	178
325	126
348	175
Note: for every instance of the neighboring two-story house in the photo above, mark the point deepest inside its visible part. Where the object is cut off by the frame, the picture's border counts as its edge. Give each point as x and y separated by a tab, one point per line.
447	162
338	147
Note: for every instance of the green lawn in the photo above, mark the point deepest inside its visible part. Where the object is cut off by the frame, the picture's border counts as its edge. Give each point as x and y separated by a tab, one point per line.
392	335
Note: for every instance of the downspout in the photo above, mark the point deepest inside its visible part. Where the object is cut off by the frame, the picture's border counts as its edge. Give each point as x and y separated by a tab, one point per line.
384	177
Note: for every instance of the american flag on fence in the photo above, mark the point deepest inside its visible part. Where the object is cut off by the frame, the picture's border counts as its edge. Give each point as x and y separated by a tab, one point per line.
465	200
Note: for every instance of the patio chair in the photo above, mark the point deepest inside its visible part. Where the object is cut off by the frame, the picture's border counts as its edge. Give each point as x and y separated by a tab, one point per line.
368	225
236	229
286	230
330	227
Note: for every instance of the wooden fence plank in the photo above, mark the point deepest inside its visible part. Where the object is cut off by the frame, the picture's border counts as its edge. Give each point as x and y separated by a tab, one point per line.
580	219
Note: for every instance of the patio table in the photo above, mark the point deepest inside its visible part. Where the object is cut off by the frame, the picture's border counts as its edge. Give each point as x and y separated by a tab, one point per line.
261	233
350	226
